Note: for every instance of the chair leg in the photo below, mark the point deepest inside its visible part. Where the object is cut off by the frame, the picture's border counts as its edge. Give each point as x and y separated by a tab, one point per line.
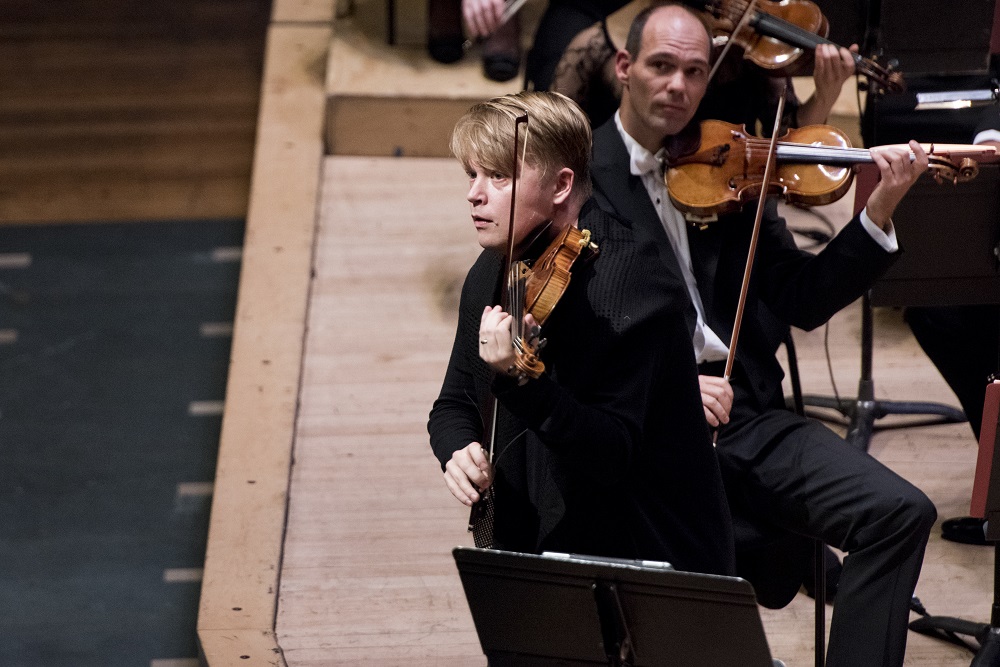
819	550
819	575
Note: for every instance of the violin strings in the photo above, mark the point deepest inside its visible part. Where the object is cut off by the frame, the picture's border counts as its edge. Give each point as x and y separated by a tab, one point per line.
511	7
790	150
825	154
514	299
519	312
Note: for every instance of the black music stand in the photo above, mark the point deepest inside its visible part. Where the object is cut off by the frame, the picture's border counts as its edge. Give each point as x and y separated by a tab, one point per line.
950	238
556	609
985	504
953	56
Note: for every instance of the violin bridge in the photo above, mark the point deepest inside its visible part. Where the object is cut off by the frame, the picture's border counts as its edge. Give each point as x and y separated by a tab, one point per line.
701	222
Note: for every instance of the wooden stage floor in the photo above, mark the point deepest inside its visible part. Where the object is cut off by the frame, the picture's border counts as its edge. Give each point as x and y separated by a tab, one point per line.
367	576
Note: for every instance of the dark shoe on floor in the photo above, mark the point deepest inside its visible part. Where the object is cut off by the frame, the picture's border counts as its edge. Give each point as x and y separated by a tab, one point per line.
502	52
445	50
444	30
966	529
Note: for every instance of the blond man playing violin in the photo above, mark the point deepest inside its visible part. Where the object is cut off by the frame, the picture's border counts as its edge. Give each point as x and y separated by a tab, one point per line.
605	452
790	475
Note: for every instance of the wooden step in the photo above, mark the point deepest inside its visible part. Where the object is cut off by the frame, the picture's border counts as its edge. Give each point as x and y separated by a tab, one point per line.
112	196
28	19
181	155
117	110
397	100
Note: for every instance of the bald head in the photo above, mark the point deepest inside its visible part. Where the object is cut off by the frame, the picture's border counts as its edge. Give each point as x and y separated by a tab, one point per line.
665	78
675	10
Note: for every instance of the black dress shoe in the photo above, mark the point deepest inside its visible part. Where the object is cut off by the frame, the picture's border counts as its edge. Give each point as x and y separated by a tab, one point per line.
500	67
444	30
966	529
502	52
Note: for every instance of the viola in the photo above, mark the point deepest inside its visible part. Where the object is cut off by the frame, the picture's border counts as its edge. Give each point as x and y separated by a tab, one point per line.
813	167
775	34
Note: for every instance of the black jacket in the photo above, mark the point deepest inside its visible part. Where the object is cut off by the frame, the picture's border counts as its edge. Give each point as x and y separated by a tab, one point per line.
607	453
788	286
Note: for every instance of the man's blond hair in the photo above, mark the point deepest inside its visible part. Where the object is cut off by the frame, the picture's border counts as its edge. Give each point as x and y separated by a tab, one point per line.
557	135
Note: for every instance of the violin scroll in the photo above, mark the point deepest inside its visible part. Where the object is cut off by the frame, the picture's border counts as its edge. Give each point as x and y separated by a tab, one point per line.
943	169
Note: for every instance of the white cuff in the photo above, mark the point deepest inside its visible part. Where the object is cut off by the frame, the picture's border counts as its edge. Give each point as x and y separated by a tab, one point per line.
987	135
886	240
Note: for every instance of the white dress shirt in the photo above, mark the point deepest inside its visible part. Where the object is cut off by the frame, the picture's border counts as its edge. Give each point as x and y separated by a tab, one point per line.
649	167
987	135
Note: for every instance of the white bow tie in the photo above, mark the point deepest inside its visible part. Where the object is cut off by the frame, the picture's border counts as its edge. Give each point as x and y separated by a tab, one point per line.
642	161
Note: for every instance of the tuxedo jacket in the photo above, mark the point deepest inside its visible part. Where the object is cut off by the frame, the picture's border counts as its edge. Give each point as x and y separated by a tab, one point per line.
788	286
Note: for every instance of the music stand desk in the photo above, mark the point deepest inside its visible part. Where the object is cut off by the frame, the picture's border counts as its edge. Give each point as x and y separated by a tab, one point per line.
556	609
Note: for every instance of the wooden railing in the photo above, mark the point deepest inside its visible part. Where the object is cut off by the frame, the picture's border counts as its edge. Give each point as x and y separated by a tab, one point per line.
243	562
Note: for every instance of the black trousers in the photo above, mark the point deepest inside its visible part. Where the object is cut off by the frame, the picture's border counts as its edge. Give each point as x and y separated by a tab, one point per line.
798	475
964	344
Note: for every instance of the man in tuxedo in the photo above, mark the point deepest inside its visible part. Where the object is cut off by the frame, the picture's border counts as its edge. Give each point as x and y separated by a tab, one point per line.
780	469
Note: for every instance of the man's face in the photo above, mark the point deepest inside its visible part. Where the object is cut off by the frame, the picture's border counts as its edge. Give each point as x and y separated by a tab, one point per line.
489	195
665	81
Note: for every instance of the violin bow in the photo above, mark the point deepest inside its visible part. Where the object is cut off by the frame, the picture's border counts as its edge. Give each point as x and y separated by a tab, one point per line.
744	288
509	255
742	23
481	516
510	8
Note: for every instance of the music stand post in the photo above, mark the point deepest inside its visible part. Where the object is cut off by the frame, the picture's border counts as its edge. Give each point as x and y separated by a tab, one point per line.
863	410
985	504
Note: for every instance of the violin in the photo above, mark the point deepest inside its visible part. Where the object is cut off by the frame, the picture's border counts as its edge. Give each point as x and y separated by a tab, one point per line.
534	288
775	34
813	167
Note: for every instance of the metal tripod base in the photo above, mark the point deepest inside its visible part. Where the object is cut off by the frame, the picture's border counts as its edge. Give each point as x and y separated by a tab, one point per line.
948	628
864	410
988	636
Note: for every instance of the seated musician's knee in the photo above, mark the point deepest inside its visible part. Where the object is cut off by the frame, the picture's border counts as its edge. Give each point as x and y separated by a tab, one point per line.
909	512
